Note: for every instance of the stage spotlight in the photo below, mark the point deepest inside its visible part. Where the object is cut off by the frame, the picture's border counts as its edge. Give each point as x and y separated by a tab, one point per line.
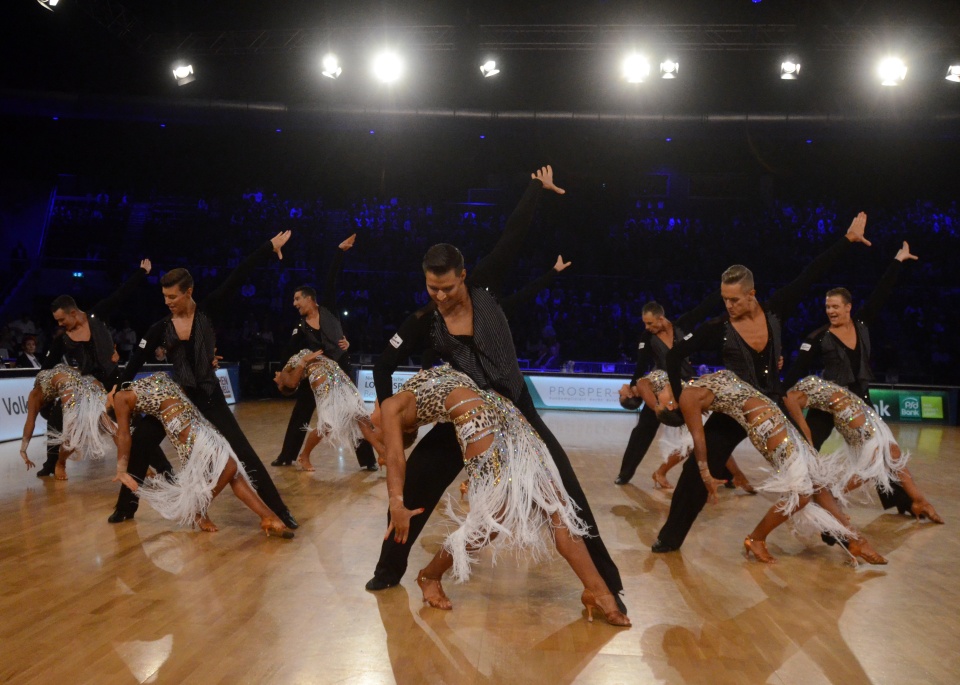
331	66
48	4
489	68
789	70
892	71
387	67
183	73
636	68
669	69
953	73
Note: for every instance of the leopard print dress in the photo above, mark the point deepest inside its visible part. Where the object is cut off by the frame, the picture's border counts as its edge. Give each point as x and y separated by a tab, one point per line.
202	450
514	486
797	467
339	405
86	430
869	449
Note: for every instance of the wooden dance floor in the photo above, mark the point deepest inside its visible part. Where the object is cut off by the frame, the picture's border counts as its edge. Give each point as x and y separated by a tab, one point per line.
143	602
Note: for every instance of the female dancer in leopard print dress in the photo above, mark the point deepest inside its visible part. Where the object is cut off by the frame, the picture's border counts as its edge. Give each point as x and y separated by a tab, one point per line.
799	480
870	454
515	491
207	462
85	425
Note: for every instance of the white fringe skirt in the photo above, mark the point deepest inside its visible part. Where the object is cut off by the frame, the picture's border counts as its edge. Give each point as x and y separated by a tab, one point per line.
675	440
872	462
85	426
339	408
514	491
798	476
188	493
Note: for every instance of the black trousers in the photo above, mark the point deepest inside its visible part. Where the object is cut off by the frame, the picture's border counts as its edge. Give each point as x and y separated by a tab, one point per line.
722	434
302	412
435	463
146	445
821	424
641	437
54	419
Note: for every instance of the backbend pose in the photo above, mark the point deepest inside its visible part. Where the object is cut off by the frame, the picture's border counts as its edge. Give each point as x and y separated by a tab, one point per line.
842	350
207	462
467	326
341	416
748	338
799	475
870	454
675	443
515	489
189	338
85	343
85	426
318	329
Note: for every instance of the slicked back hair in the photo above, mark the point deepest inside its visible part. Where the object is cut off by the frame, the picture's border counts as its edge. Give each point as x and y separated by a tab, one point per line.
842	293
738	273
652	307
177	277
64	302
442	258
307	291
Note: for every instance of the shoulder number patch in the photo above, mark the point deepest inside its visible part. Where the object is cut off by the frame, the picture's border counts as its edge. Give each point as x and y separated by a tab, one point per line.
143	343
396	341
805	347
688	336
641	345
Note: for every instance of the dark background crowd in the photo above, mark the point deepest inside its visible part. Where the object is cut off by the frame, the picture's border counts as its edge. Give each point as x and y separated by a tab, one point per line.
623	256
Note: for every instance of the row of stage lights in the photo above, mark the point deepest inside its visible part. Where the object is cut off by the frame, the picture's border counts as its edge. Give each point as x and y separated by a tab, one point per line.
388	67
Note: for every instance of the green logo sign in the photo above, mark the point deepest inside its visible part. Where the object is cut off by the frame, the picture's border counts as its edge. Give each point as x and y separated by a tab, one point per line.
931	407
910	408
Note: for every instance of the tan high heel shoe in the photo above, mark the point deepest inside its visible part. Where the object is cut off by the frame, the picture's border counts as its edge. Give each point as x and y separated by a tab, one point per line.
303	465
442	602
859	547
660	481
741	482
613	616
759	550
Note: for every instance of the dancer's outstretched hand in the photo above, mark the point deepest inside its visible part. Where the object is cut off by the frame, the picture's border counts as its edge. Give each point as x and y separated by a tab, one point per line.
348	243
545	176
712	485
146	265
561	265
126	479
343	343
857	228
400	521
278	241
26	460
903	253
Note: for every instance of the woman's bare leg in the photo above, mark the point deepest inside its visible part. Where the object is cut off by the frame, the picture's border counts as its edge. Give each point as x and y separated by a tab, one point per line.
60	469
303	459
660	475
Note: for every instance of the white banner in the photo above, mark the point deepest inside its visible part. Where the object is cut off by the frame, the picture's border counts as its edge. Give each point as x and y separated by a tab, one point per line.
13	408
573	392
368	391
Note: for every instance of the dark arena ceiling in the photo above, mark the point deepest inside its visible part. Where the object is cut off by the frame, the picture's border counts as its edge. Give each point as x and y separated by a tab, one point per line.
557	59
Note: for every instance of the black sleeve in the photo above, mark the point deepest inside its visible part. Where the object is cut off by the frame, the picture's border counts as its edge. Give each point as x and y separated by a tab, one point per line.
527	293
644	357
108	306
785	300
144	351
297	342
868	313
330	283
807	358
708	306
54	352
709	336
219	300
411	337
492	269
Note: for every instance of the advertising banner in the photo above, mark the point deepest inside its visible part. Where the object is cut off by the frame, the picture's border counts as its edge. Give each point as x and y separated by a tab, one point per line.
368	390
13	408
582	393
915	406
